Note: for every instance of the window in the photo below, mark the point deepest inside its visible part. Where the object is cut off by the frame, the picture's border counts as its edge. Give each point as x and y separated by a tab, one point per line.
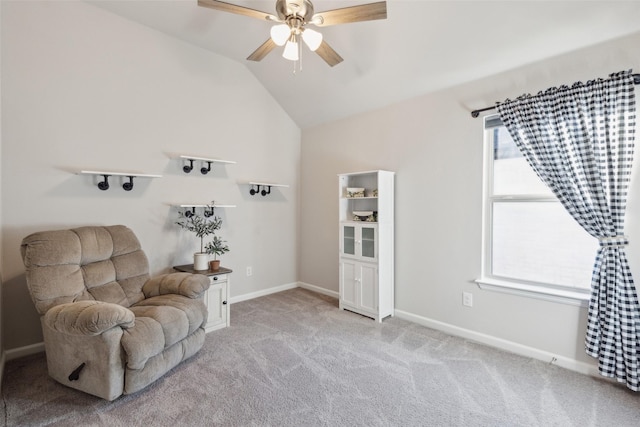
532	245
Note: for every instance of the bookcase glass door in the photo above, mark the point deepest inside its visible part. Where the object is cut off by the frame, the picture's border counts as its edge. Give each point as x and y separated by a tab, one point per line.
368	242
348	240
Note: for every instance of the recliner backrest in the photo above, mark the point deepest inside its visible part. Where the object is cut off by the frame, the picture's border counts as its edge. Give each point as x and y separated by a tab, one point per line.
86	263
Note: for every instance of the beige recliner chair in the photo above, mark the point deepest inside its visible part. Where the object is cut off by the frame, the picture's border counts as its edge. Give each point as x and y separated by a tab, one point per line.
109	329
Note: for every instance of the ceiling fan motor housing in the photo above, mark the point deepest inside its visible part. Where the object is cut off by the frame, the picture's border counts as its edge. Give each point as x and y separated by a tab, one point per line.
294	8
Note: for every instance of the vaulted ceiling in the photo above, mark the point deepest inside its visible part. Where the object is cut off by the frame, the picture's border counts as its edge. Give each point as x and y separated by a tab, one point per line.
423	46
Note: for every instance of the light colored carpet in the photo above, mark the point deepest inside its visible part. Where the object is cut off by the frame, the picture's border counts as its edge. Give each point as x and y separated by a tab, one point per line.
294	359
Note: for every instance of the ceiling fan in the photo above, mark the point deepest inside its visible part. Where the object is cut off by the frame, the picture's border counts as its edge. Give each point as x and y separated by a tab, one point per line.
292	17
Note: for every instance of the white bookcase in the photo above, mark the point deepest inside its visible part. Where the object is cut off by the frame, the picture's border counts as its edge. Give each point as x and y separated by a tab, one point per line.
366	253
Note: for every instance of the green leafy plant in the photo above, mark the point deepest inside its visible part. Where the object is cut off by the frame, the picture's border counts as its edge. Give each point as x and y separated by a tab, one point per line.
201	226
216	247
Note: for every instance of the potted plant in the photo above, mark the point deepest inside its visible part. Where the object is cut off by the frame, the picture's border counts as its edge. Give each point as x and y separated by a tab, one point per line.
202	227
216	247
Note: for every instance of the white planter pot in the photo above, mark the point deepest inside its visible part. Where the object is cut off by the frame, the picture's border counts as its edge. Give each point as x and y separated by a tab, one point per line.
201	261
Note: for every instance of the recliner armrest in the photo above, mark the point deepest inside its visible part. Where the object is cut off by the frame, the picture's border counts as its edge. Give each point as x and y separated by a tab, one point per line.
88	317
186	284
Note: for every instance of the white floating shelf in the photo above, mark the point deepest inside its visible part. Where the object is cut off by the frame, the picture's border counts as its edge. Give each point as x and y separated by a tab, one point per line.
110	173
267	184
208	160
128	186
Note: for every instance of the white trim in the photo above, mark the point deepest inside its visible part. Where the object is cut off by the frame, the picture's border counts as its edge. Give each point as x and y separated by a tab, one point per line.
16	353
513	286
524	198
546	293
262	293
27	350
319	290
510	346
502	344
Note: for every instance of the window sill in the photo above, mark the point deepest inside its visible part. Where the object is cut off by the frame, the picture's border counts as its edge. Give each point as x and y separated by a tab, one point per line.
579	298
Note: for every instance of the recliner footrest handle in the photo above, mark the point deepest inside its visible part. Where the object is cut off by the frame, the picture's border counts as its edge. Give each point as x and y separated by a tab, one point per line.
76	373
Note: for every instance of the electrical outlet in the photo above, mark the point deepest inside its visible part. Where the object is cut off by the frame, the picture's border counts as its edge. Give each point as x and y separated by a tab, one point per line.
249	271
467	299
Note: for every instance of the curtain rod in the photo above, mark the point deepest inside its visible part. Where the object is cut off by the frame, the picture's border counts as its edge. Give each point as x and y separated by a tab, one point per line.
475	113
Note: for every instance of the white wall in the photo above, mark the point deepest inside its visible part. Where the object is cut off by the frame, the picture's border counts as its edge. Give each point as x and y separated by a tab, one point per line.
435	147
85	89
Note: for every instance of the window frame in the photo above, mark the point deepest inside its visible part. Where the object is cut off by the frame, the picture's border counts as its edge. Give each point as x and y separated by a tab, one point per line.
488	281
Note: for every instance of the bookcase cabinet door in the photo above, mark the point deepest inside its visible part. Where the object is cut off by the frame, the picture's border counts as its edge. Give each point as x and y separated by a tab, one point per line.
359	287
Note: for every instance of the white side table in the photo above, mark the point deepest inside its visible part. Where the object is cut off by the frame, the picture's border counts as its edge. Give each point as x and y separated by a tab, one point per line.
215	297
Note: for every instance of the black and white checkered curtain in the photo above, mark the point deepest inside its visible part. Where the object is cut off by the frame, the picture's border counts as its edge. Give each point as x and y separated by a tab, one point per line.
580	142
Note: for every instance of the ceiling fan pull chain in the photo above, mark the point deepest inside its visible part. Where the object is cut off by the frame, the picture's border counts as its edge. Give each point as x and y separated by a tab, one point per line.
300	53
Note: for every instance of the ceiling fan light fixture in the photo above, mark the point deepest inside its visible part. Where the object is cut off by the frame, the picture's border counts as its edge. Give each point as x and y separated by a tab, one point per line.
292	16
280	34
312	38
291	50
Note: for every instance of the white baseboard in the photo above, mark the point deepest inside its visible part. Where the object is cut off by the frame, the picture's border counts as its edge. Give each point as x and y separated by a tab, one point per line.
510	346
16	353
262	293
522	350
318	289
502	344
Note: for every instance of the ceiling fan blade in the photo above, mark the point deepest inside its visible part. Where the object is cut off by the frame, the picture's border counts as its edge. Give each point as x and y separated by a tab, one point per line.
365	12
262	51
239	10
327	53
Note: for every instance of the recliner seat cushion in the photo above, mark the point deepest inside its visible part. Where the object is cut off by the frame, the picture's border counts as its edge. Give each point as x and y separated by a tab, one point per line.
161	322
156	366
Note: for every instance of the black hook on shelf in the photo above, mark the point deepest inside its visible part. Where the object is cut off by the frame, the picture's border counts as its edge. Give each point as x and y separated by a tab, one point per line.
266	189
104	185
188	168
128	186
208	212
206	170
190	213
